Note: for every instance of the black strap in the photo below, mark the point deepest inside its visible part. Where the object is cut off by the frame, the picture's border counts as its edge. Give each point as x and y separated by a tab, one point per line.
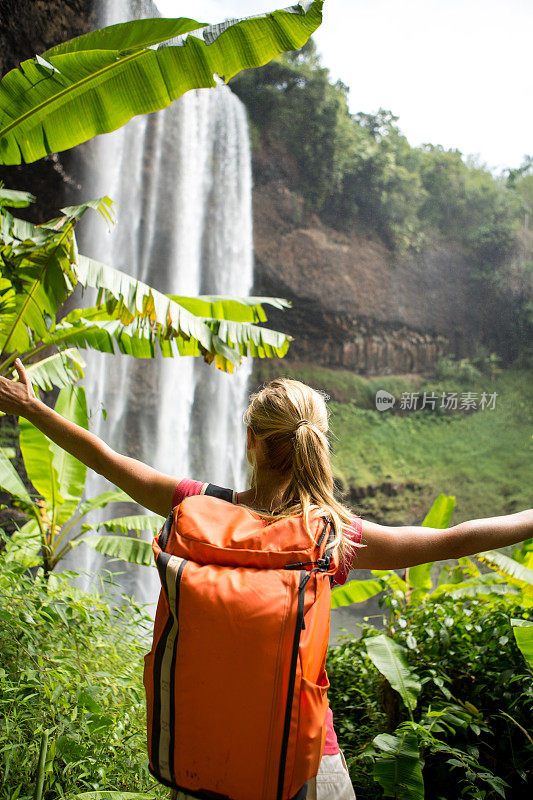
220	492
164	533
304	577
210	489
324	563
324	529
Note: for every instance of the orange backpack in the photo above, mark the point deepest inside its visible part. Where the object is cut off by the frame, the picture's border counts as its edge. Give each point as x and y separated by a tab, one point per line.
235	681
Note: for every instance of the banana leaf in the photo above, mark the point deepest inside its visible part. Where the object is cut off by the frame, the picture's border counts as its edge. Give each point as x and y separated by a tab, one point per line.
103	205
135	522
15	230
438	516
60	370
135	551
141	340
15	199
468	567
250	339
523	634
394	581
71	473
507	567
354	592
42	280
238	309
389	657
483	586
10	481
128	299
398	769
24	545
95	83
43	266
523	554
39	462
102	500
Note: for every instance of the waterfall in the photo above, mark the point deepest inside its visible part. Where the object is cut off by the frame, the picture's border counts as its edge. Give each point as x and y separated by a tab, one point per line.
181	179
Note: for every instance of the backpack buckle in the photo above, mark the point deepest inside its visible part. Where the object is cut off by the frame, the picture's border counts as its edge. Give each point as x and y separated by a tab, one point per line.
324	563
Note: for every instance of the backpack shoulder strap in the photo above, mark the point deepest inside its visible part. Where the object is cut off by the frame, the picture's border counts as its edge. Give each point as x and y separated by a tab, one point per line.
220	492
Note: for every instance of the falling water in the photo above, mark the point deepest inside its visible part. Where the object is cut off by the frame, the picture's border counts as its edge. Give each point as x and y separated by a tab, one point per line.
181	179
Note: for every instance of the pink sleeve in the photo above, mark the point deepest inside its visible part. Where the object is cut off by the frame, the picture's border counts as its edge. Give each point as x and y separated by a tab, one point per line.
355	534
186	488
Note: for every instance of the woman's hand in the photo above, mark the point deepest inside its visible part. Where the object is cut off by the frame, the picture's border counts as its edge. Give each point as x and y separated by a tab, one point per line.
16	396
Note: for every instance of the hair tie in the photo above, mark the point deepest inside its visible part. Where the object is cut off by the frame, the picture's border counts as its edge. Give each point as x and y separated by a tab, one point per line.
302	422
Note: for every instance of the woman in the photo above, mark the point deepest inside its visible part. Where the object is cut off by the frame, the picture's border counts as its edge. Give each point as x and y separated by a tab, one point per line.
287	446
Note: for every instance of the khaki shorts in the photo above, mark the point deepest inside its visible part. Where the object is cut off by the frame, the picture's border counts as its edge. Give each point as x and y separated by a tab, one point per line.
332	782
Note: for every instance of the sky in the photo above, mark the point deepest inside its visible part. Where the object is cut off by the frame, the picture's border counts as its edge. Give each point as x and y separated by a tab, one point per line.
458	73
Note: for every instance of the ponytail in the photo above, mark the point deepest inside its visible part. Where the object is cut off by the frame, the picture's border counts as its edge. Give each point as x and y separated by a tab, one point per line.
291	421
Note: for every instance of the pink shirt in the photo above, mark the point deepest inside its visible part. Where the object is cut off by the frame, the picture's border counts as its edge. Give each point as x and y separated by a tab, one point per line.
186	488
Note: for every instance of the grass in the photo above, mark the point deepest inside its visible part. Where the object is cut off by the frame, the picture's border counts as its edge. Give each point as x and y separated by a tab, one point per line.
392	466
339	384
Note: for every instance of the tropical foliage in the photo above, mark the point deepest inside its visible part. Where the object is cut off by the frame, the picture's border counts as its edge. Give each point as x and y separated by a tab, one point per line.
72	700
58	511
469	734
507	576
40	267
95	83
428	723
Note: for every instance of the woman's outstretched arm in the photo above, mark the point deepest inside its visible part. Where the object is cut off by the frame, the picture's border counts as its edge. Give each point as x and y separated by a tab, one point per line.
147	486
399	547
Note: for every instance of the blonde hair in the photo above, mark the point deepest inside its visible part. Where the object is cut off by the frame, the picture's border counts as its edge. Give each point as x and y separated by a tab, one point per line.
291	421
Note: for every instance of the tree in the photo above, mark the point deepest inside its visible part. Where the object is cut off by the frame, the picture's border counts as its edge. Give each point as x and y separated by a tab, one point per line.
292	100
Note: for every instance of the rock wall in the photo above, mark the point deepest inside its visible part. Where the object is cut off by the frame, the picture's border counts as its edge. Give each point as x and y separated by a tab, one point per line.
29	27
354	306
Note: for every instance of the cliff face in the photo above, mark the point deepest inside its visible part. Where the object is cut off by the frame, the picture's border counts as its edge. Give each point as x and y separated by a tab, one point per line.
32	26
354	306
29	27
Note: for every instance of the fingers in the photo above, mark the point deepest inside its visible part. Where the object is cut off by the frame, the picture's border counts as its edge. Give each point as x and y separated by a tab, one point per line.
21	371
23	377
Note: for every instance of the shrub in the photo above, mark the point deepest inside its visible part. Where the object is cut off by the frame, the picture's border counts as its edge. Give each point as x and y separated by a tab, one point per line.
476	699
71	666
462	371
